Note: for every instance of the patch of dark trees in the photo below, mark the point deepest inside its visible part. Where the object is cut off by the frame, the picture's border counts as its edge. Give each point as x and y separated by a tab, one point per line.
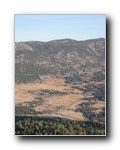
25	125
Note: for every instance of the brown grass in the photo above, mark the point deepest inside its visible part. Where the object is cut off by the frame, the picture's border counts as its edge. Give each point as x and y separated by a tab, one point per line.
61	106
99	105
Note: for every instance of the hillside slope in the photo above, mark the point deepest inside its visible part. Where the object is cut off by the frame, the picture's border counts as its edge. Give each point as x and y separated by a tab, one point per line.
59	58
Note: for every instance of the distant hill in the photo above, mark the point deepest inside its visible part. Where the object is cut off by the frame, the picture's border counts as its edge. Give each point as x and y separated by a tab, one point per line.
65	58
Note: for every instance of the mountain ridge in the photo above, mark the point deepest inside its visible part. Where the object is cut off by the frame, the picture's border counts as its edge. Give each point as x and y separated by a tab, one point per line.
59	57
69	39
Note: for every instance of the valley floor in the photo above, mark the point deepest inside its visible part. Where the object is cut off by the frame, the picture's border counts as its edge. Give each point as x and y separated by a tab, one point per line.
55	98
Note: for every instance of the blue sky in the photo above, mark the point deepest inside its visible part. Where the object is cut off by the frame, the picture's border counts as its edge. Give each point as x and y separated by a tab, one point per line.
50	27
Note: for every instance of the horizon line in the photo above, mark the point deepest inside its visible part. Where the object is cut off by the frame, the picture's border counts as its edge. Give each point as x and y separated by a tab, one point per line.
60	39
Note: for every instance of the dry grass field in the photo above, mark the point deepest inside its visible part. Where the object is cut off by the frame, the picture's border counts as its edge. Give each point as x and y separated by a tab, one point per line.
55	105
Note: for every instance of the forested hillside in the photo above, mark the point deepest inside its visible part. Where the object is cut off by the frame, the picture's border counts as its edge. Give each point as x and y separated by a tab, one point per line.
60	58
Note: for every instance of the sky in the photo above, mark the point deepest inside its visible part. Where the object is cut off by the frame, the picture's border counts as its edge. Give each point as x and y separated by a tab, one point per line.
51	27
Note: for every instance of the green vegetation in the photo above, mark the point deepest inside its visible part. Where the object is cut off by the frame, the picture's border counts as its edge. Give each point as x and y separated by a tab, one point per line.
53	92
89	113
97	91
28	107
24	110
98	76
47	93
72	79
37	126
61	59
26	73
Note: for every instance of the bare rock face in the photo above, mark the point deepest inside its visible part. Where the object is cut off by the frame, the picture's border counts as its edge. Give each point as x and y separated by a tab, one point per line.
22	46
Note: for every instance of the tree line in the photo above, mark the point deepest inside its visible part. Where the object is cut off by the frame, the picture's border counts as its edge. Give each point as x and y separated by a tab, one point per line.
30	126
